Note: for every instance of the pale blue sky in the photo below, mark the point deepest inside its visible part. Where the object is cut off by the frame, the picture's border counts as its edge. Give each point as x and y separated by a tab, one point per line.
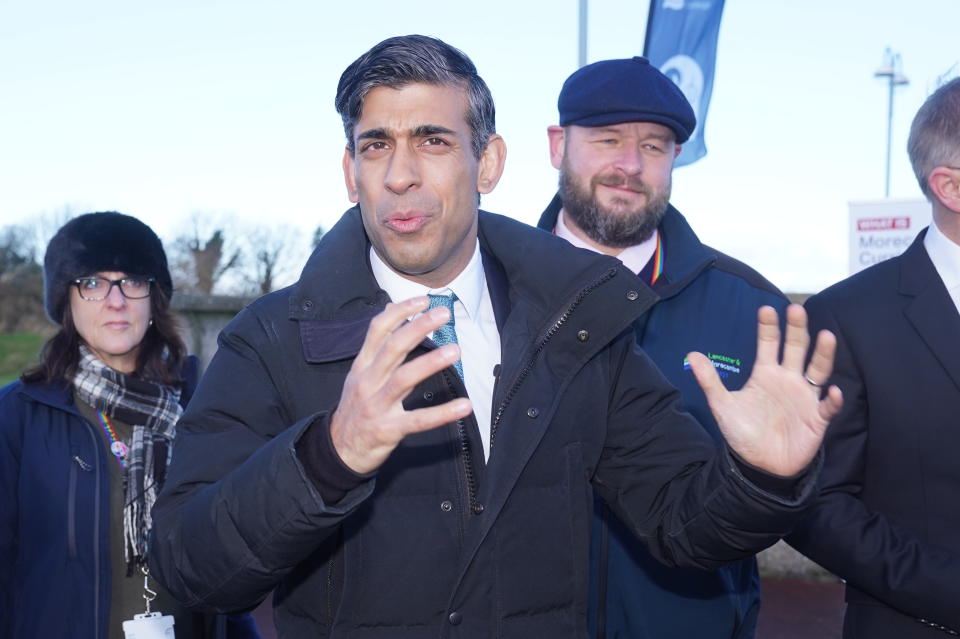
162	109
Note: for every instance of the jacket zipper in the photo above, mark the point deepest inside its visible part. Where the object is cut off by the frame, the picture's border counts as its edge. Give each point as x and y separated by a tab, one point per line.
72	504
96	519
466	454
553	330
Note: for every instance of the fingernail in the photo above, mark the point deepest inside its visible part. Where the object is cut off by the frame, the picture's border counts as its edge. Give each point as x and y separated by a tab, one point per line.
451	352
439	313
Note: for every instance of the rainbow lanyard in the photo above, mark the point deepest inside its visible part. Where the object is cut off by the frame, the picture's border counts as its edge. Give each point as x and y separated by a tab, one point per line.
657	262
117	447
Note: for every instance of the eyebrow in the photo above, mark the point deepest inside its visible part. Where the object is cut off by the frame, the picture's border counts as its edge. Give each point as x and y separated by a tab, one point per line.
422	131
665	137
426	130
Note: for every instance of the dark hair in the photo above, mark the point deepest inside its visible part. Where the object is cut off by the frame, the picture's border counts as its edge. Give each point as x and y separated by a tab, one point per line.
160	359
935	134
403	60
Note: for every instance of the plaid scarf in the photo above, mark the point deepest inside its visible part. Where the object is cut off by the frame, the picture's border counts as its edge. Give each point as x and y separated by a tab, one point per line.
152	410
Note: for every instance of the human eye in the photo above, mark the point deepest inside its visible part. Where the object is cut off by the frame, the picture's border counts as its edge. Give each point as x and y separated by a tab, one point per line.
92	284
134	283
435	145
373	146
136	287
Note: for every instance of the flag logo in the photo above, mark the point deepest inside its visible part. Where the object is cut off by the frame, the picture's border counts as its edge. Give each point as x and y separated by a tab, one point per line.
687	74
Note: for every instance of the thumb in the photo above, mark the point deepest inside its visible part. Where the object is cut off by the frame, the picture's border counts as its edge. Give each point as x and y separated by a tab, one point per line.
707	378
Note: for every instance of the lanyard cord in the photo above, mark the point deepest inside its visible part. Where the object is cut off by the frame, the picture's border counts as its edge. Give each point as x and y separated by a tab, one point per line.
117	447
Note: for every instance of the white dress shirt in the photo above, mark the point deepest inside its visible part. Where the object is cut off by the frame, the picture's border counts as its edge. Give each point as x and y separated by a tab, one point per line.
945	255
474	323
633	257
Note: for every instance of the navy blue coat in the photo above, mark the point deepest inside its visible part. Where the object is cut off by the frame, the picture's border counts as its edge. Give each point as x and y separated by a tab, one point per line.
54	544
708	303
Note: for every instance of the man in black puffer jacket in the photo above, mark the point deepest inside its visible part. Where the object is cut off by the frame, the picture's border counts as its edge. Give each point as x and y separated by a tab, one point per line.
331	452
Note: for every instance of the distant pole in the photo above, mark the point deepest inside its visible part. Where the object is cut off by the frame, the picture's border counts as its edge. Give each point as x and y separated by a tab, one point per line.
890	69
582	60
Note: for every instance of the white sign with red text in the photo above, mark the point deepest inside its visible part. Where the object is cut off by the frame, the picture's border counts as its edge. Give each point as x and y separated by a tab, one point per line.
881	229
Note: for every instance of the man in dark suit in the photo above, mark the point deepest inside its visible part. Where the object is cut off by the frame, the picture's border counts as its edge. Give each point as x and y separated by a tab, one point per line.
888	519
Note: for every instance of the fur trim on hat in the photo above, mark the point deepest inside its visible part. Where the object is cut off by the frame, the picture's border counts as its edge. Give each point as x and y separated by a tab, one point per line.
97	242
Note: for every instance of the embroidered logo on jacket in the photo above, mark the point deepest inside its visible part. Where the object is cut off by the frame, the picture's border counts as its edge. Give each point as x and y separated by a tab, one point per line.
724	364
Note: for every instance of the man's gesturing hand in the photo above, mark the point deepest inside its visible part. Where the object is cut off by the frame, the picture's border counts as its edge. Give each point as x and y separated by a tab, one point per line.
370	420
777	421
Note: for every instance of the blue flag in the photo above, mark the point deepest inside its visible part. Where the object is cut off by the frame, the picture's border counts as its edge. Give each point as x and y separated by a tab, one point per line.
682	42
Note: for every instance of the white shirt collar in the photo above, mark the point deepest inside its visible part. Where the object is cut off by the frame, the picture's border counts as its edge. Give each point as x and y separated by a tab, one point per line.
633	257
468	286
945	255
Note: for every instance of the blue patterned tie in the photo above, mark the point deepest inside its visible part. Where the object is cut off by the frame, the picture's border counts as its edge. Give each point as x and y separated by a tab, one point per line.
446	334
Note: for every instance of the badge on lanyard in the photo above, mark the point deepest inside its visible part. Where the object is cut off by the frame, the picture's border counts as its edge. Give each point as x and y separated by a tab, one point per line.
149	625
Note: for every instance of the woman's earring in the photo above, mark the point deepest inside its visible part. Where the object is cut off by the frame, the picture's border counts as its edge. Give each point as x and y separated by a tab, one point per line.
150	323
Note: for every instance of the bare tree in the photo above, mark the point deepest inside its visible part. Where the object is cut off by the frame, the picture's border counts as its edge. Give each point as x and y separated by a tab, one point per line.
46	224
33	234
205	253
21	282
275	256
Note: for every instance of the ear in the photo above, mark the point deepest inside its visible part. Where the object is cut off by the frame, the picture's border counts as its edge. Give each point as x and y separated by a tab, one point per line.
676	150
492	161
350	176
944	183
557	137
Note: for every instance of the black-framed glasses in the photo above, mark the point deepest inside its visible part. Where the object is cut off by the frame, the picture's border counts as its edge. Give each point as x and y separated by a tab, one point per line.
94	289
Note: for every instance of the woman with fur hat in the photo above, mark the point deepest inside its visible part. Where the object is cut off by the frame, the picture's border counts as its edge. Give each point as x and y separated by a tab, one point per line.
85	439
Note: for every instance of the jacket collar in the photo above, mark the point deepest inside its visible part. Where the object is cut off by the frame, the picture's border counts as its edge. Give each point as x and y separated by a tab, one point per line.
54	395
685	255
337	295
331	286
929	307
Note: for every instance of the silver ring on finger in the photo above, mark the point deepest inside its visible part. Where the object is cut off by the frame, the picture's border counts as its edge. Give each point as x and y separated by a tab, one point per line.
811	381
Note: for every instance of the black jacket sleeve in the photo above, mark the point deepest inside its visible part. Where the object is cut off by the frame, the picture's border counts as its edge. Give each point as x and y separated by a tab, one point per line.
239	510
689	501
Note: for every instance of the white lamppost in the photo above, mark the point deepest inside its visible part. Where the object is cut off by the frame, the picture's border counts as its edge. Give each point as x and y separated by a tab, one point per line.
890	69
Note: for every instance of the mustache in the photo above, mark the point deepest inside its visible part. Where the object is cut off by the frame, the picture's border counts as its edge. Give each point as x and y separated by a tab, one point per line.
621	181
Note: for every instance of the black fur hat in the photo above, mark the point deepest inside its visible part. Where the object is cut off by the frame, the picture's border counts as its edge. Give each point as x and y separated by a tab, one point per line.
100	242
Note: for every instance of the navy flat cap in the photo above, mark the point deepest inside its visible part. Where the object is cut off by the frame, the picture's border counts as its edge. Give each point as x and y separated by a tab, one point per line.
628	90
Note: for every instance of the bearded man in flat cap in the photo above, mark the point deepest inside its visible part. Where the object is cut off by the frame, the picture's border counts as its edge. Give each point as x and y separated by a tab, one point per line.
622	124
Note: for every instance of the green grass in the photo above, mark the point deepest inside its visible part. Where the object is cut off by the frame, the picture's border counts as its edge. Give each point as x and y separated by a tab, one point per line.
17	352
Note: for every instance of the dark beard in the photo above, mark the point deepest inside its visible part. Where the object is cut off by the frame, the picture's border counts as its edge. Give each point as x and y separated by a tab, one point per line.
611	228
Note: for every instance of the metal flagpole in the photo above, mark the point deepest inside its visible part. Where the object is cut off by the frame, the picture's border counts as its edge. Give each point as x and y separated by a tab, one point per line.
582	60
890	69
